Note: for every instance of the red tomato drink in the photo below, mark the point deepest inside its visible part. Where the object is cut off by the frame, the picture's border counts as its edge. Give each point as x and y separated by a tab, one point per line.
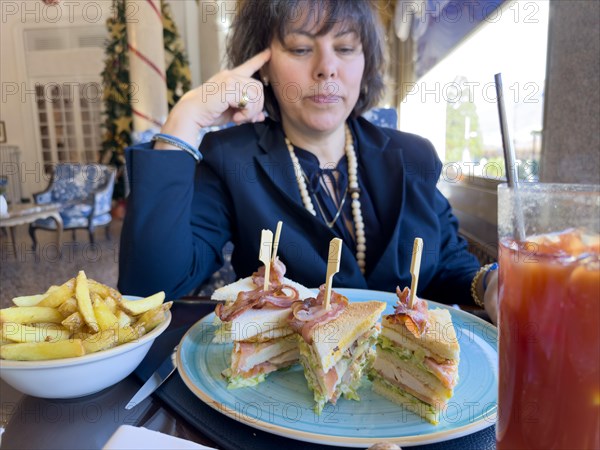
549	331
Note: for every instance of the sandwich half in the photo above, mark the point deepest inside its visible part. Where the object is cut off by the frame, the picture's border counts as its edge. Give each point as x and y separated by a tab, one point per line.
256	321
417	358
259	322
335	345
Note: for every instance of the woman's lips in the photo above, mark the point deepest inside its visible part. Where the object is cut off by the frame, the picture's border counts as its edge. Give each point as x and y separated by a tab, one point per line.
325	99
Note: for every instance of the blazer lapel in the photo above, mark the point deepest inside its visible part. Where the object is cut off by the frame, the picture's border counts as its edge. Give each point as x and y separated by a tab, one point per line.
385	177
276	163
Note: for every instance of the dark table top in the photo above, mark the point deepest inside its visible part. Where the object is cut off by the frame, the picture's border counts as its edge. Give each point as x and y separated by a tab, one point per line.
88	422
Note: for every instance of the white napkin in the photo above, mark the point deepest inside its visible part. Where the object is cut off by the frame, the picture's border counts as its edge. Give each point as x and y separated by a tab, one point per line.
128	437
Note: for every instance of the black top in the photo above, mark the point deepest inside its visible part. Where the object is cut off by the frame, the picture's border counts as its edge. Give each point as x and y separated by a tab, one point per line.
326	207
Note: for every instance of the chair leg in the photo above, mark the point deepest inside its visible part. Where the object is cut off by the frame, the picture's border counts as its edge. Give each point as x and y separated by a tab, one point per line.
33	239
13	238
73	234
107	232
91	232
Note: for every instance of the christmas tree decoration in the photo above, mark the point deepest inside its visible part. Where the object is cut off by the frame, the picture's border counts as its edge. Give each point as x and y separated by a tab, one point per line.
119	91
116	95
179	77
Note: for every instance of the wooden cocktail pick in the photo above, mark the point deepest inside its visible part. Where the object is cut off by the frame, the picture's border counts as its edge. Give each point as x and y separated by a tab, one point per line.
276	240
264	255
333	267
415	268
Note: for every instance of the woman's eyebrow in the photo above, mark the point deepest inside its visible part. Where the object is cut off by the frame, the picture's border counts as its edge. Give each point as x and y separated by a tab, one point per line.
314	35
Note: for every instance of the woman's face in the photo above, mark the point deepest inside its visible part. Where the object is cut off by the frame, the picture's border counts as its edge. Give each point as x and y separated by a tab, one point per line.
316	79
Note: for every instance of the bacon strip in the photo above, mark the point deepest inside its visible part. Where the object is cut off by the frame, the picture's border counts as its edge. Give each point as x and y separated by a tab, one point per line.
275	274
281	296
309	313
415	318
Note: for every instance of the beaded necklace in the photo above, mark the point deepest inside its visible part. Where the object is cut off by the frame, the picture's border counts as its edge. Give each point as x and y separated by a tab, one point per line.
353	189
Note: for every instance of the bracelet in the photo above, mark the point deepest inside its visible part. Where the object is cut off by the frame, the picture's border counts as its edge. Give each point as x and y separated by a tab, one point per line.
484	271
490	269
182	145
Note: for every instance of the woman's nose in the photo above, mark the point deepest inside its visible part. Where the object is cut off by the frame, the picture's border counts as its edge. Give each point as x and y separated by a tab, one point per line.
325	67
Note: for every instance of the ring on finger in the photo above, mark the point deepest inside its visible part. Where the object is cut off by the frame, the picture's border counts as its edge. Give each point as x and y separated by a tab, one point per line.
244	100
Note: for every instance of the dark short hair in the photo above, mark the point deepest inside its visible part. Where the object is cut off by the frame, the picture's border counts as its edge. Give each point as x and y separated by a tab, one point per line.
258	22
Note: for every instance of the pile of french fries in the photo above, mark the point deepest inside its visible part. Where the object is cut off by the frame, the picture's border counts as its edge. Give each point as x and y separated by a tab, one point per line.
77	318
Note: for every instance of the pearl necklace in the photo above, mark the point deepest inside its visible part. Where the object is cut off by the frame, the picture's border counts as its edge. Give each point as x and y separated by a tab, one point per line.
353	189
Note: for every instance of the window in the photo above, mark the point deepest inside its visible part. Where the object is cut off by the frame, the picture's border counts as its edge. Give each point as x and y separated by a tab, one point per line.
454	104
69	119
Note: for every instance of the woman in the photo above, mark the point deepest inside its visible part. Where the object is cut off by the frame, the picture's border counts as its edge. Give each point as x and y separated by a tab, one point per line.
313	163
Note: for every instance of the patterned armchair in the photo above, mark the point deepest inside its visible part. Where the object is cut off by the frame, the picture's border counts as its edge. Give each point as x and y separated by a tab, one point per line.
84	193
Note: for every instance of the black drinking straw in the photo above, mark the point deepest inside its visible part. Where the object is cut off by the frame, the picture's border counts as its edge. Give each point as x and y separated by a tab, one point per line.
509	161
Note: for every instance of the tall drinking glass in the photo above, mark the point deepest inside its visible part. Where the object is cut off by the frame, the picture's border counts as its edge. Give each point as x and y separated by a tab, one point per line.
549	317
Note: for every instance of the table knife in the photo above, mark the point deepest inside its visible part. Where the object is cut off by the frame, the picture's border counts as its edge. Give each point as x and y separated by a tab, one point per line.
161	374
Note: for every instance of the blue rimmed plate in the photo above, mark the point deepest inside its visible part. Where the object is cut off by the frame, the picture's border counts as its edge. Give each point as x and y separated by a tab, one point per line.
283	403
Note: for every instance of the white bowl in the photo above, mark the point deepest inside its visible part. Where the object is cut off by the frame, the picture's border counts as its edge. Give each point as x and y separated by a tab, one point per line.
82	375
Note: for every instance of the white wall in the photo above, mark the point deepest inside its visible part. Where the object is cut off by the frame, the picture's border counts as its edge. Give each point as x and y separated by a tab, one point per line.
19	71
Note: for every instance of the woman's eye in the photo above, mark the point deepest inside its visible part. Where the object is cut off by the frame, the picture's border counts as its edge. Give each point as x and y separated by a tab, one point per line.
299	51
346	50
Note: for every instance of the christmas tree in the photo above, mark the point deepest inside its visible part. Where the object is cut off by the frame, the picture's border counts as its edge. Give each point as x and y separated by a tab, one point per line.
179	77
117	89
116	95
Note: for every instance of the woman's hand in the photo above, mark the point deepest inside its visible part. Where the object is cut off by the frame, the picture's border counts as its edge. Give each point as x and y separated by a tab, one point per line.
218	101
490	297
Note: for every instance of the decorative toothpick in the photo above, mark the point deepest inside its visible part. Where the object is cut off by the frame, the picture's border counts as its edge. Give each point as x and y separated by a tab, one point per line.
333	267
276	240
415	268
264	255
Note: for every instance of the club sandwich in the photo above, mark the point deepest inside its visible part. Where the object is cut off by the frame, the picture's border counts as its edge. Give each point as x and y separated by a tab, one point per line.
256	321
335	345
417	358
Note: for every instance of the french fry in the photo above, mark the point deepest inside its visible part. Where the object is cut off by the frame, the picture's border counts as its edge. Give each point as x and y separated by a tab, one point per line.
123	318
100	341
57	296
74	322
28	300
37	351
84	302
103	290
30	314
48	325
150	319
137	307
98	288
83	335
128	334
25	333
79	317
68	307
111	303
105	318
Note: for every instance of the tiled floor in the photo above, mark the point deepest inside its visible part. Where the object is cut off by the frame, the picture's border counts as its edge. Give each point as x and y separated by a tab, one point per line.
30	272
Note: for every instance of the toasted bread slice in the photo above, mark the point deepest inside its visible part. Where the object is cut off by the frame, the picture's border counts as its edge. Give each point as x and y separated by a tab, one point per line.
429	412
229	293
332	339
255	325
439	341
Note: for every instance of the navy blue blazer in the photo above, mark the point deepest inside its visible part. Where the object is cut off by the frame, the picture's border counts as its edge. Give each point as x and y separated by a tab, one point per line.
179	215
